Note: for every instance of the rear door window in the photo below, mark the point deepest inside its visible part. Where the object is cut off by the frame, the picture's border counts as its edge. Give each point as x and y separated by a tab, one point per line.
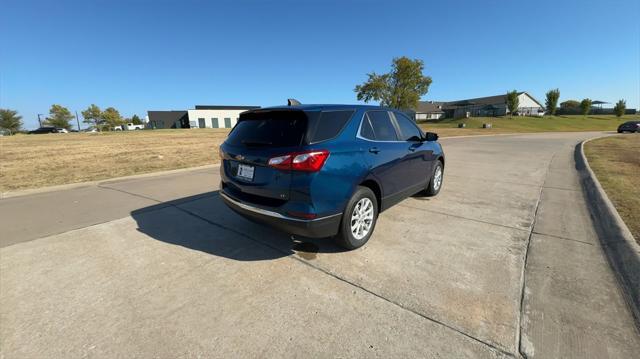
408	130
269	129
366	130
383	129
326	125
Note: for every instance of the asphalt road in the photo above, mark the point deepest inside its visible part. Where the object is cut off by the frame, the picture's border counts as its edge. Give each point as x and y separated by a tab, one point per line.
504	262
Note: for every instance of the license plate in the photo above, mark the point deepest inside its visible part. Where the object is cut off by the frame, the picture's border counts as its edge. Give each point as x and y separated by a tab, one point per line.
245	172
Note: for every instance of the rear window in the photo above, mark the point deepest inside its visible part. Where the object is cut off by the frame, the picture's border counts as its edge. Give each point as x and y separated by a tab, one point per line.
287	128
326	125
269	129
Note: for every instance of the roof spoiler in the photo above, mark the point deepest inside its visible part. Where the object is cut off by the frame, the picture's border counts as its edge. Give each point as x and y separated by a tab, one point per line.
293	102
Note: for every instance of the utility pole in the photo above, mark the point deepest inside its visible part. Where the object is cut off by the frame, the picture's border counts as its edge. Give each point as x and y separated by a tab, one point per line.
78	121
39	120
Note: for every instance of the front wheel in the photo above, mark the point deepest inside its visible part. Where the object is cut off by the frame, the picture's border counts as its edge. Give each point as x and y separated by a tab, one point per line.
435	183
358	220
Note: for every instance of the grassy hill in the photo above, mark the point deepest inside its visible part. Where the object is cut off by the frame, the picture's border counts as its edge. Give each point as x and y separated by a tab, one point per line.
519	124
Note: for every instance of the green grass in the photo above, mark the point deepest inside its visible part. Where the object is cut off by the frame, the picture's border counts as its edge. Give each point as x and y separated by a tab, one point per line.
519	124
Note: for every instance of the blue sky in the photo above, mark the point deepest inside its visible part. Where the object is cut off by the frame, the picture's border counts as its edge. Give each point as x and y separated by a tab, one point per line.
154	55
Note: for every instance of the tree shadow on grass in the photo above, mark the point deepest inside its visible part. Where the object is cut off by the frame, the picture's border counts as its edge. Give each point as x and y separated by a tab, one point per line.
204	223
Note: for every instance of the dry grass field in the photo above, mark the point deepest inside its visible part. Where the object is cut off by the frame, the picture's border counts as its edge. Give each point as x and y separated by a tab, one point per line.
616	162
33	161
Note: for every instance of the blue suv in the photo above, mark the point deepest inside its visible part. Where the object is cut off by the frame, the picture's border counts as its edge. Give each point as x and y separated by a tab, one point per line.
326	170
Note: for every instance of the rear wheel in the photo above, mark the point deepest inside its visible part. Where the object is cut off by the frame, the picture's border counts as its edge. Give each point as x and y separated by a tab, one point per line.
358	219
437	178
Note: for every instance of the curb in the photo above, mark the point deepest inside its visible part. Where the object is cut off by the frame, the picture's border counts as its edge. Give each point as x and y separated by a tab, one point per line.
63	187
619	245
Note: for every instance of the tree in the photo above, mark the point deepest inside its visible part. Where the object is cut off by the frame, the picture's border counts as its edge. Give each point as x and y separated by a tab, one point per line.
10	120
59	116
136	120
401	88
512	102
552	101
111	117
585	106
569	104
620	108
93	115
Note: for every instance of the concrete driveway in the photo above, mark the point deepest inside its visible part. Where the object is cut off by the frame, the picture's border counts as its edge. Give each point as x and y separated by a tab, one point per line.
503	263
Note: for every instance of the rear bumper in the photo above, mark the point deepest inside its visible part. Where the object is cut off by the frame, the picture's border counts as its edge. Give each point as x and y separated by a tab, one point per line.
315	228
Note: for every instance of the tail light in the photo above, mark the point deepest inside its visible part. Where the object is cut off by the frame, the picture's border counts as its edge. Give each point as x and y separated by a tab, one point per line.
310	161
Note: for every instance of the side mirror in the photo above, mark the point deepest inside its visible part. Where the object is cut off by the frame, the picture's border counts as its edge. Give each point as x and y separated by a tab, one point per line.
431	136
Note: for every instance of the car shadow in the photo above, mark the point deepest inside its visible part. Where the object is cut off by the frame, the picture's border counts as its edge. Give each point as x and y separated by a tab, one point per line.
204	223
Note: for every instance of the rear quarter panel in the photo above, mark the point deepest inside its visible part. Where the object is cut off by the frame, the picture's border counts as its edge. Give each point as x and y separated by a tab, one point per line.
329	190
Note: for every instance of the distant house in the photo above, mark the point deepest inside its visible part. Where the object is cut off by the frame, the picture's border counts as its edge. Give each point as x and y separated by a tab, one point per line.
203	116
481	106
429	110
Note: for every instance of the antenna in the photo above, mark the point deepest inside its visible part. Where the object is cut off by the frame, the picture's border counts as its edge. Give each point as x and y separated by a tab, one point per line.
293	102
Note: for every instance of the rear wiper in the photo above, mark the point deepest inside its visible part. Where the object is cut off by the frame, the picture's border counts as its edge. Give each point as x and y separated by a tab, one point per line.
256	143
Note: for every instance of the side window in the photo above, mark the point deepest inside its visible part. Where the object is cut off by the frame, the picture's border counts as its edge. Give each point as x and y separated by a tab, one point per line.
366	130
408	130
327	125
383	129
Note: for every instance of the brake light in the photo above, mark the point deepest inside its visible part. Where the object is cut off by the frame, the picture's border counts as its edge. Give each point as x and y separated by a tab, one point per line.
310	161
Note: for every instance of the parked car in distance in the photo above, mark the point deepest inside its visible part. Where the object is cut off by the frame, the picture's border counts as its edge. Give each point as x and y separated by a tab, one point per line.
44	129
326	170
62	130
128	127
629	126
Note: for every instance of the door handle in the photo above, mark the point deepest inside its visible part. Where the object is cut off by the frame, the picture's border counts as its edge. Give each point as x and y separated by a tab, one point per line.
374	150
412	149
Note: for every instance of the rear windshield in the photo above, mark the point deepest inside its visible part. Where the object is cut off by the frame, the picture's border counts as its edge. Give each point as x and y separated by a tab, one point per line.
632	123
269	129
287	128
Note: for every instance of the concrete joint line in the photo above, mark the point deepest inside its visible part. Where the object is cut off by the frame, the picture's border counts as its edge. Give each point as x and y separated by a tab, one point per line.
492	346
617	242
524	264
461	217
335	276
563	238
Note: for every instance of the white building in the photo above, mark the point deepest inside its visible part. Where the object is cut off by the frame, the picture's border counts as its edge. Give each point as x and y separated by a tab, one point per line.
216	116
202	116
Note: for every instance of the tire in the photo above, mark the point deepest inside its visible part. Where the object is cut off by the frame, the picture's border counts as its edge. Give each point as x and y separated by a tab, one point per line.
436	181
363	199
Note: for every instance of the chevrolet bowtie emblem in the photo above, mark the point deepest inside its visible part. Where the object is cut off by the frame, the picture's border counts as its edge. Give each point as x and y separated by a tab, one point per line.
239	157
